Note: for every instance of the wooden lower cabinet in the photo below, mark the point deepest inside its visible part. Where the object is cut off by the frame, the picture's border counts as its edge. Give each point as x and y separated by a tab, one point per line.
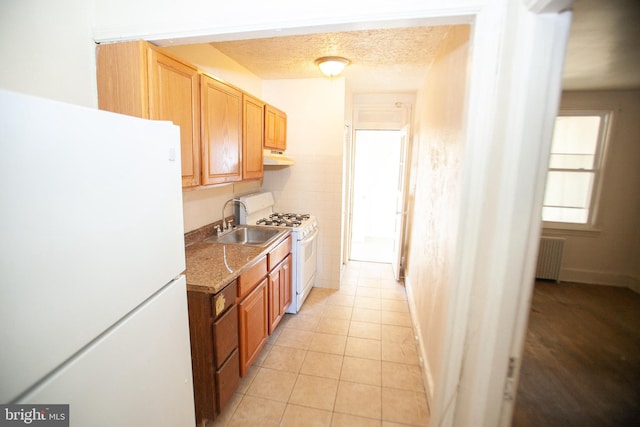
213	329
254	331
279	292
229	328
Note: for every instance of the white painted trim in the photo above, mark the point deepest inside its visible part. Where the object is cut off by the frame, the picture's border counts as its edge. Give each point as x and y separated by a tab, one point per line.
511	113
163	35
599	277
482	85
427	372
546	39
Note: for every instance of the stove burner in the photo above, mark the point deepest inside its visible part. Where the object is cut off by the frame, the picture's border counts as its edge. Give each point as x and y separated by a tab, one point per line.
289	216
284	219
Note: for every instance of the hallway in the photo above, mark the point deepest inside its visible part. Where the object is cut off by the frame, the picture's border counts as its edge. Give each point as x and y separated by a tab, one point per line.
347	359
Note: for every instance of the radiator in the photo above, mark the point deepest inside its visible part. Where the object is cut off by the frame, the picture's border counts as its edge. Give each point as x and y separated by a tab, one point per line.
550	258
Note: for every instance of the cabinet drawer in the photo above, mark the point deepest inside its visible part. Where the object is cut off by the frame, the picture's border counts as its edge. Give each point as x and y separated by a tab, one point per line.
279	253
225	336
227	381
250	278
223	299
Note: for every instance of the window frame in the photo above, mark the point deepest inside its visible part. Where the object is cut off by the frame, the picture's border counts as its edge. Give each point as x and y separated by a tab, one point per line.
599	163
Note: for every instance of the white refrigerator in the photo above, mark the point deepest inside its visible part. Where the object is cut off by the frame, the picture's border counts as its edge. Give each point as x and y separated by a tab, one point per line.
93	309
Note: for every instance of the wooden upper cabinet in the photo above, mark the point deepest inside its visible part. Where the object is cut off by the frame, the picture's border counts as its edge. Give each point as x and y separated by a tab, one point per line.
275	129
253	137
173	96
221	132
122	78
137	79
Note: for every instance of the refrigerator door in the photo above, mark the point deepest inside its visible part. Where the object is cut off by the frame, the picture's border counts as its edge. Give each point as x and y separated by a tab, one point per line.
90	227
148	385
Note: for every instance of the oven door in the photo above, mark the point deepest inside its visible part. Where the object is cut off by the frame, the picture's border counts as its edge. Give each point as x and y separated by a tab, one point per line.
308	261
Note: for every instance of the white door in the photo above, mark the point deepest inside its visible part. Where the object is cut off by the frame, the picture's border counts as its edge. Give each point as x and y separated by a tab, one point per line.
398	241
377	155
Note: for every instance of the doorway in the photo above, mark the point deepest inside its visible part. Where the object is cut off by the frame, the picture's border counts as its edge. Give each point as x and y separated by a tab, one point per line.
376	174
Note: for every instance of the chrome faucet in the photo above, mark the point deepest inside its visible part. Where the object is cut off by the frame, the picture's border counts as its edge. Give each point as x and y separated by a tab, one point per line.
225	226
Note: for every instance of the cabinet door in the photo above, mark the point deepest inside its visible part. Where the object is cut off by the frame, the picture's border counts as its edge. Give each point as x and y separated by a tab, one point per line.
281	131
275	312
286	292
279	292
253	137
270	127
275	128
252	313
173	96
221	132
121	71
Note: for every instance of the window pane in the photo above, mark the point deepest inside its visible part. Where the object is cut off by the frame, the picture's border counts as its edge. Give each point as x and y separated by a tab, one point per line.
576	137
576	216
571	161
568	189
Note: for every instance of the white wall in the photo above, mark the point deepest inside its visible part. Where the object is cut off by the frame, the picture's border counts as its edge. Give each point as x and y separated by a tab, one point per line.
610	255
47	49
434	197
204	206
315	112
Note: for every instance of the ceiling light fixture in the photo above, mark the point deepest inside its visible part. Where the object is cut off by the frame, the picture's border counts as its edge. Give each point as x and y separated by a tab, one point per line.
332	66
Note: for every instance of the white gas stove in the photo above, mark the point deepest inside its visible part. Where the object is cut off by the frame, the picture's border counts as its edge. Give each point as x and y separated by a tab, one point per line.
258	210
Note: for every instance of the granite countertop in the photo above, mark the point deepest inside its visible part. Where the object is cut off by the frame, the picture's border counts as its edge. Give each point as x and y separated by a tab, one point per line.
211	266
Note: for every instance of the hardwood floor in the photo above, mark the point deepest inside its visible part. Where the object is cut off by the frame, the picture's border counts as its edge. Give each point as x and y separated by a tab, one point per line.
581	362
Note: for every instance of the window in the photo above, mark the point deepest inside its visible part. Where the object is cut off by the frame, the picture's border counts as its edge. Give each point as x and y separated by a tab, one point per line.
575	165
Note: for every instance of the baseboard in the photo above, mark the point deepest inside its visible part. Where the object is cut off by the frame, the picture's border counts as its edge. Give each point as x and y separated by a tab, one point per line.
600	278
427	377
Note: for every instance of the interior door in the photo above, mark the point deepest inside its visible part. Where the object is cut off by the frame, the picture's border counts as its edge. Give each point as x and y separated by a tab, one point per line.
398	241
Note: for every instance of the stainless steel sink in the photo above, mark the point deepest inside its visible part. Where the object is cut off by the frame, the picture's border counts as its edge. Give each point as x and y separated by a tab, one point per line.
247	235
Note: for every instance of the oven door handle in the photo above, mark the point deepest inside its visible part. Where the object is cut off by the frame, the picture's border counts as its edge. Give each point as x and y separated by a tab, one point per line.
309	237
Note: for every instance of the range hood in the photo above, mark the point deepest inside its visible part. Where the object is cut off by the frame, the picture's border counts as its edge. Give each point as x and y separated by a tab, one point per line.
276	158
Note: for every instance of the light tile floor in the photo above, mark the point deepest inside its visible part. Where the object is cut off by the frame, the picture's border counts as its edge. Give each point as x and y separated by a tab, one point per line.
348	358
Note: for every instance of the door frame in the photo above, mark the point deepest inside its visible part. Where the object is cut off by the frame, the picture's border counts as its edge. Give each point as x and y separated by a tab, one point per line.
398	257
510	117
347	191
402	124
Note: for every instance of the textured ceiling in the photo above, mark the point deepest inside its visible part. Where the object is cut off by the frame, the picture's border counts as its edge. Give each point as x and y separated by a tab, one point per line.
395	59
603	52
